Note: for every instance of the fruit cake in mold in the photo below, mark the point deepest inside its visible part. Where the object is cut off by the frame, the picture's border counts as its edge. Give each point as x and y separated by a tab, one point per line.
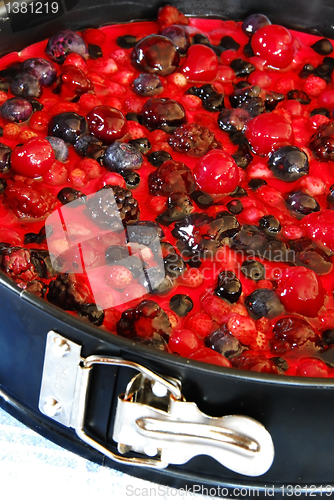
173	182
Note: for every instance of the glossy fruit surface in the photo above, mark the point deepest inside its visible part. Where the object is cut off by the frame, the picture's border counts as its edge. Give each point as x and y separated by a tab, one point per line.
201	64
34	158
275	45
106	123
216	173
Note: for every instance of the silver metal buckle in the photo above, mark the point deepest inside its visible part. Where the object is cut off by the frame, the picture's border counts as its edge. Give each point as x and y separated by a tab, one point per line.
152	416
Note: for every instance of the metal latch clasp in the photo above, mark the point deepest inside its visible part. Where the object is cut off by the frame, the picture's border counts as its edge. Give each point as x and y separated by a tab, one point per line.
152	416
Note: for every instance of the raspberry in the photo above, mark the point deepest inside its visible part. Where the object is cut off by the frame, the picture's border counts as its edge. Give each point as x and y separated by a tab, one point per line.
101	207
193	139
17	263
169	15
29	201
67	292
145	320
170	177
118	277
201	323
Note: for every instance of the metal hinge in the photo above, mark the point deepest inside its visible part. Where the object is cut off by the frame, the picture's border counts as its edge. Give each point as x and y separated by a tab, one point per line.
152	418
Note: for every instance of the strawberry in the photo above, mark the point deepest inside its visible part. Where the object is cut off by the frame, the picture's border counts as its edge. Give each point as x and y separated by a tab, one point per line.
200	323
242	328
260	343
215	307
169	15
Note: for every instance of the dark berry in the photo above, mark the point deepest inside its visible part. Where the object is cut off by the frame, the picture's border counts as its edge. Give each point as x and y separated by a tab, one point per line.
323	47
114	253
299	95
112	206
142	144
253	269
320	111
270	224
155	281
255	184
243	156
234	207
201	39
233	120
253	22
181	304
121	156
5	152
25	85
40	237
211	99
248	360
193	139
147	85
248	50
242	68
16	110
42	69
327	337
91	313
94	51
155	54
228	43
289	163
263	303
59	147
36	105
243	95
228	287
171	177
67	126
156	342
292	333
239	192
69	195
145	232
126	41
144	320
281	363
223	342
134	117
157	158
63	43
106	123
68	293
308	254
179	206
174	265
272	99
132	178
322	143
85	143
163	113
202	199
301	204
179	37
307	71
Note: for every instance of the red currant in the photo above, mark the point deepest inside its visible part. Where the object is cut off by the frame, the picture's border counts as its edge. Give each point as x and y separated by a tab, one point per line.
34	158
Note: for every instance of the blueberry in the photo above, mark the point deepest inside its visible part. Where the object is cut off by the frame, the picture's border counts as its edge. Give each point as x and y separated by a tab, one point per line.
299	95
225	225
239	192
233	120
157	158
243	95
272	99
228	43
91	313
179	37
181	304
94	51
68	126
174	265
147	85
301	204
59	147
131	178
155	281
253	269
179	206
263	303
243	156
134	117
16	110
83	144
142	144
253	22
63	43
320	111
163	114
223	342
242	68
156	342
25	85
202	199
323	47
211	99
308	254
5	152
36	105
69	195
270	224
122	156
228	287
126	41
3	185
307	71
234	207
42	69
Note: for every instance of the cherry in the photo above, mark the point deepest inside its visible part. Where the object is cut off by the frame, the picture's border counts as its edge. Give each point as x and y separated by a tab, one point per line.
312	367
216	173
184	342
267	132
106	123
275	44
301	291
34	158
201	64
207	355
155	54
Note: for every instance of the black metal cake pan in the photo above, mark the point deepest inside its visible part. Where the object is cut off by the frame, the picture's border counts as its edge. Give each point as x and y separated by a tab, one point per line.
296	414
